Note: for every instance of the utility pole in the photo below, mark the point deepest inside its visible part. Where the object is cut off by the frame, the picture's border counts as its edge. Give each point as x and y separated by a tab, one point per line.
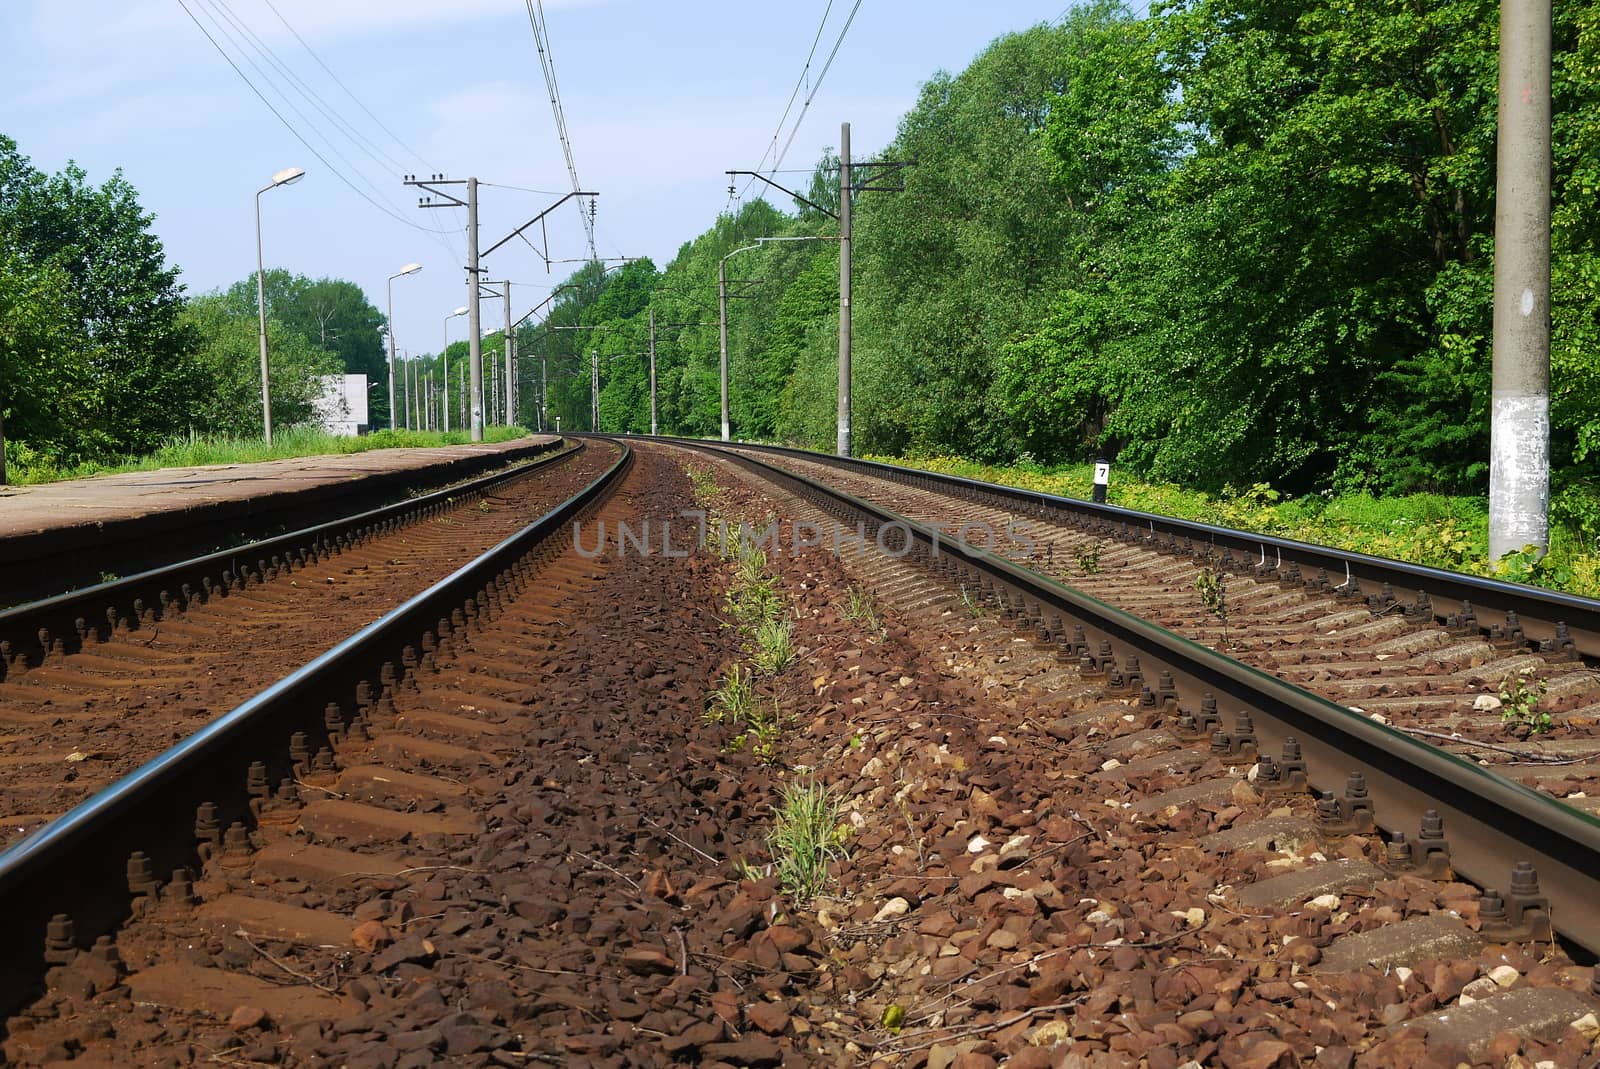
1519	428
474	322
511	408
722	324
449	200
842	446
652	372
594	390
873	175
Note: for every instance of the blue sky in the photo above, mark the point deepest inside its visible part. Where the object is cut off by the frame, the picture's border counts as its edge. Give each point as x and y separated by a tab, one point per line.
660	99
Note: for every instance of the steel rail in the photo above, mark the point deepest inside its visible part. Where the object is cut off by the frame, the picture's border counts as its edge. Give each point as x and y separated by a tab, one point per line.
1491	822
77	865
63	623
1539	611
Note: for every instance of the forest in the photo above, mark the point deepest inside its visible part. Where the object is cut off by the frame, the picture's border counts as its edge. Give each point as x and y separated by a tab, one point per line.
1231	242
1224	242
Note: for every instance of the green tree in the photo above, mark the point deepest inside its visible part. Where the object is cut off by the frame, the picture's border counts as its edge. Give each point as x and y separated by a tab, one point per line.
333	315
110	271
964	260
228	349
41	355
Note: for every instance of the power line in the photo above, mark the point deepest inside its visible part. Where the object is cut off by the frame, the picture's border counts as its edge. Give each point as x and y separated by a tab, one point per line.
336	80
460	222
223	52
519	189
820	76
310	95
541	34
798	82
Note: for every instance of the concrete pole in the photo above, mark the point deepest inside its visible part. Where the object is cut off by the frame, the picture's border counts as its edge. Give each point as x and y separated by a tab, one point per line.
511	409
261	310
544	383
722	323
475	341
445	355
594	390
1519	429
843	444
391	355
652	371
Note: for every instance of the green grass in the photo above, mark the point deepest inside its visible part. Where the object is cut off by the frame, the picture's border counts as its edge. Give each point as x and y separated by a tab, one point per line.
775	645
733	699
24	466
1430	529
860	607
806	838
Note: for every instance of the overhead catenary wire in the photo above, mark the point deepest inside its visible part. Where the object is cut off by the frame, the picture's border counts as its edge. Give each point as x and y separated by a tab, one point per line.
372	151
805	107
541	41
820	76
799	82
457	251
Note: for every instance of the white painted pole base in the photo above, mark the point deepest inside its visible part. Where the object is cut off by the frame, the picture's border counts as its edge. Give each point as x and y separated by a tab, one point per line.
1519	474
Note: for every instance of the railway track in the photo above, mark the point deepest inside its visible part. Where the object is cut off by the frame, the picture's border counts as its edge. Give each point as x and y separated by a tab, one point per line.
1158	705
69	885
1434	671
493	828
84	704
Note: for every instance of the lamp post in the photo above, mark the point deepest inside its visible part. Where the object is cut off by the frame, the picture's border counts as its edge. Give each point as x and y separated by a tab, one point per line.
445	355
722	323
722	310
287	176
408	269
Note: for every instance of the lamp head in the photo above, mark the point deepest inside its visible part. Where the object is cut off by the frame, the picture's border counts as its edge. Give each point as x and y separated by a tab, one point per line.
459	312
288	176
409	269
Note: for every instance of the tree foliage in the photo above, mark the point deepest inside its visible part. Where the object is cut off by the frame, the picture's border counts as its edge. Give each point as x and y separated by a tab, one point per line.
1225	242
104	367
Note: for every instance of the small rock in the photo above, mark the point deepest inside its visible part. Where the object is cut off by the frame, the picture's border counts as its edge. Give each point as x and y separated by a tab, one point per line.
977	845
644	961
412	950
1003	940
370	935
1324	902
770	1017
895	907
1050	1033
1486	703
245	1018
1504	975
751	1050
1480	988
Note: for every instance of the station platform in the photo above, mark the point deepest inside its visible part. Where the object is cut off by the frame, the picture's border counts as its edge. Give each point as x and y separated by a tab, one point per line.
50	526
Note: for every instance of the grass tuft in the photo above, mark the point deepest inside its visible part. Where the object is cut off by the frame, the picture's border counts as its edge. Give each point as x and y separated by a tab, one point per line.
805	839
775	645
734	697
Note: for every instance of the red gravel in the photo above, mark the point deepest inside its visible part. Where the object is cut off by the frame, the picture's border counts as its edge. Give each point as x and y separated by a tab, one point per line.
1004	891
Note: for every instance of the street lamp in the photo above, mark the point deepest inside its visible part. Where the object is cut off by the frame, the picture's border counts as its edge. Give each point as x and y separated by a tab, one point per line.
722	323
408	269
285	177
445	354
